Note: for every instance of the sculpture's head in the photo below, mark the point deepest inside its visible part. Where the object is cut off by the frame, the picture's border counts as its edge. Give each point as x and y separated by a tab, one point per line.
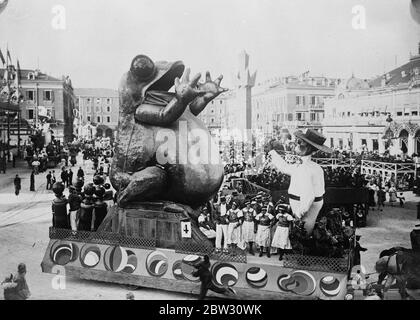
159	76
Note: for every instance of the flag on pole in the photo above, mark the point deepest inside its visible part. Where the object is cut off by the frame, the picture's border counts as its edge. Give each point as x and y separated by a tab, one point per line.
18	69
17	78
6	75
8	56
3	61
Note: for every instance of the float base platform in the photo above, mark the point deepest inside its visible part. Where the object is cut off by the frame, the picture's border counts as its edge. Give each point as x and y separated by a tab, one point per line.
86	255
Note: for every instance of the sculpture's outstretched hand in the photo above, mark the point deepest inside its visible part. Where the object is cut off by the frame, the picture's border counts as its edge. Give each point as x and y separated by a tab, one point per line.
211	88
187	90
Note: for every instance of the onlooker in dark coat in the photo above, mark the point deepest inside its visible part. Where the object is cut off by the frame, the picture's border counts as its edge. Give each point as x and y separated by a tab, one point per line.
69	177
381	198
32	185
3	164
74	203
17	183
59	208
80	173
64	176
49	184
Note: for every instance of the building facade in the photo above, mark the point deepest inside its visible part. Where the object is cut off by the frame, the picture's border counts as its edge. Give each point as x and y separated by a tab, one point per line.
294	102
377	115
47	98
215	115
98	112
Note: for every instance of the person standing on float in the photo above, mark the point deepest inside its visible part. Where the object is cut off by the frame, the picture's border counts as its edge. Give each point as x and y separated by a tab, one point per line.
221	218
235	218
307	184
74	203
248	226
281	239
263	237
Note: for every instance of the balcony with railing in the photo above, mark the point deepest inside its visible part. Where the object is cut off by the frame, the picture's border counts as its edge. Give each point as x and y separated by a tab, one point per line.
367	120
302	124
318	106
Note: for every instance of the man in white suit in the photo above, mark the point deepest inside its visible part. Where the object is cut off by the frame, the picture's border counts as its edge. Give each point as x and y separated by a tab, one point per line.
307	184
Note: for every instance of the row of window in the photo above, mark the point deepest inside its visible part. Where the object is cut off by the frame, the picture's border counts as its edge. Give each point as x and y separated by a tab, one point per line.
289	117
98	109
31	113
299	116
47	95
375	143
313	116
99	119
213	111
413	113
375	114
313	100
98	100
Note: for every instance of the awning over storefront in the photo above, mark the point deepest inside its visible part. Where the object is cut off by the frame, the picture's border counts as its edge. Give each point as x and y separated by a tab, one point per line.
5	106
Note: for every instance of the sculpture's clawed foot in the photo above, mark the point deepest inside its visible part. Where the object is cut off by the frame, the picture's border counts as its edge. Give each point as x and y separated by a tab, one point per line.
173	207
144	185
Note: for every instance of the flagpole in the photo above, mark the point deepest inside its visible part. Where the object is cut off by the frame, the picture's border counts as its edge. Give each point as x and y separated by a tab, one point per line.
8	135
8	101
18	103
7	57
18	128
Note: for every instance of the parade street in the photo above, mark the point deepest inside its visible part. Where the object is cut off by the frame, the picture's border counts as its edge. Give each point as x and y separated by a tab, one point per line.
273	153
25	219
24	223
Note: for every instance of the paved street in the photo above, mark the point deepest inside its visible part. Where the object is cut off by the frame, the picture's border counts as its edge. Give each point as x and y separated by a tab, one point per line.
24	223
25	219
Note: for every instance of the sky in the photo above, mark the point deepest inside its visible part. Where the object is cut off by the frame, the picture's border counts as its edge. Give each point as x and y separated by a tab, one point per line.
99	38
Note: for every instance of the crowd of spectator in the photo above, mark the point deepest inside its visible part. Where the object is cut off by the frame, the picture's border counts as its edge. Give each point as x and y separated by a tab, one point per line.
44	157
350	176
87	204
369	155
270	179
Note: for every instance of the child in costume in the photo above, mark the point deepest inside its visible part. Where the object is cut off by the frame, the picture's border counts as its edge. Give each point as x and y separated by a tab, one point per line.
235	217
281	239
248	226
263	232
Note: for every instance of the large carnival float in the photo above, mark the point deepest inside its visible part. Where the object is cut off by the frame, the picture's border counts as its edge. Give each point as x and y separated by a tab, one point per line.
151	238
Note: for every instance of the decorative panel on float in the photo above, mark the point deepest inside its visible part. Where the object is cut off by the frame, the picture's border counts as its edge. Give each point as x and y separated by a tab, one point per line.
167	264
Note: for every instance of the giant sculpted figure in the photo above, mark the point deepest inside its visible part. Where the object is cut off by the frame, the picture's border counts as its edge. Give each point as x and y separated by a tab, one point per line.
148	112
